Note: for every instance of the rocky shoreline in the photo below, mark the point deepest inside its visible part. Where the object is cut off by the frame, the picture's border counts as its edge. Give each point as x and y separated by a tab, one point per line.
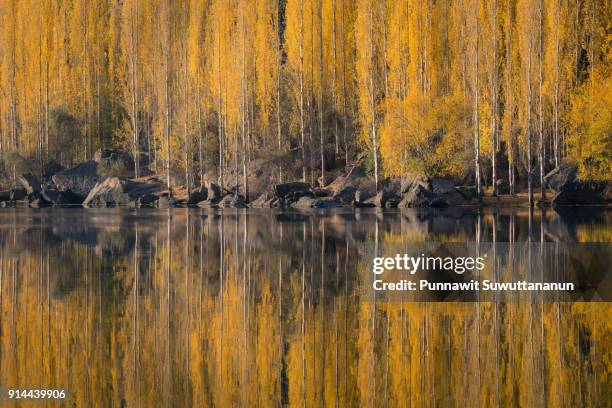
84	185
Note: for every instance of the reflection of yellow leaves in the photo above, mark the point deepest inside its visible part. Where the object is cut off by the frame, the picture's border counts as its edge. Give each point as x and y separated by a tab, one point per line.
210	348
594	233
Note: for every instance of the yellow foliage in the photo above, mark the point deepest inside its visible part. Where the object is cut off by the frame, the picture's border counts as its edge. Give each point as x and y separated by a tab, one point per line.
590	138
424	136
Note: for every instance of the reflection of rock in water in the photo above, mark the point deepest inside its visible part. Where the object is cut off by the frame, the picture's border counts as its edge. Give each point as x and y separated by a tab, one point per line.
104	241
261	308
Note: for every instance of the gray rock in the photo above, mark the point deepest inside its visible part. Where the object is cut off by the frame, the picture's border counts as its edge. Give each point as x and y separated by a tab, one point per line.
322	192
79	179
232	201
29	182
293	191
213	192
146	201
346	195
409	182
383	198
18	194
607	191
309	202
36	200
360	197
197	195
304	202
165	201
562	177
57	198
452	198
266	200
418	196
118	192
467	192
578	194
441	186
327	203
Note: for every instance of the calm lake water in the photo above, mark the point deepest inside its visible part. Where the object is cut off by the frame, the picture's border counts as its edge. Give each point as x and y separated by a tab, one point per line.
262	308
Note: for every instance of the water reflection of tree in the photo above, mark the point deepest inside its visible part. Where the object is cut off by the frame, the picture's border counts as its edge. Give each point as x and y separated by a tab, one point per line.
195	309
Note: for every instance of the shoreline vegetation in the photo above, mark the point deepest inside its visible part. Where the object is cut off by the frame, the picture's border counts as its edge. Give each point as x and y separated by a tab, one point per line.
305	103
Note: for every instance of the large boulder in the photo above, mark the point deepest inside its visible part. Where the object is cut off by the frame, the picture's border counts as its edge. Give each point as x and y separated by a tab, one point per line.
293	191
409	182
118	192
468	193
79	179
18	194
346	195
419	196
579	193
442	186
58	198
232	201
197	195
607	191
36	200
384	199
360	197
147	201
114	158
266	200
213	192
29	182
571	191
562	177
164	201
309	202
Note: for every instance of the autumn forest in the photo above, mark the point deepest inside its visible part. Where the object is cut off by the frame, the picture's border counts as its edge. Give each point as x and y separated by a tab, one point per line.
434	87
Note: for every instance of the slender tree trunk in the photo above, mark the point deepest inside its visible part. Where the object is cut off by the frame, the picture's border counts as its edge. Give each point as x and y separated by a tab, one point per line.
476	107
334	96
510	102
311	99
384	24
556	104
344	90
167	108
47	107
39	104
134	60
278	88
303	142
245	104
540	102
201	129
219	107
322	141
494	146
372	111
187	144
529	107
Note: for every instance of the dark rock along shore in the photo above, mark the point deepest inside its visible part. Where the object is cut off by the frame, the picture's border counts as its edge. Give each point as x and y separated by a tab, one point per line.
83	185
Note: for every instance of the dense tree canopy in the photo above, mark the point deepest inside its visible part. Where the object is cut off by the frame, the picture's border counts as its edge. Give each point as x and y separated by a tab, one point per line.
205	86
